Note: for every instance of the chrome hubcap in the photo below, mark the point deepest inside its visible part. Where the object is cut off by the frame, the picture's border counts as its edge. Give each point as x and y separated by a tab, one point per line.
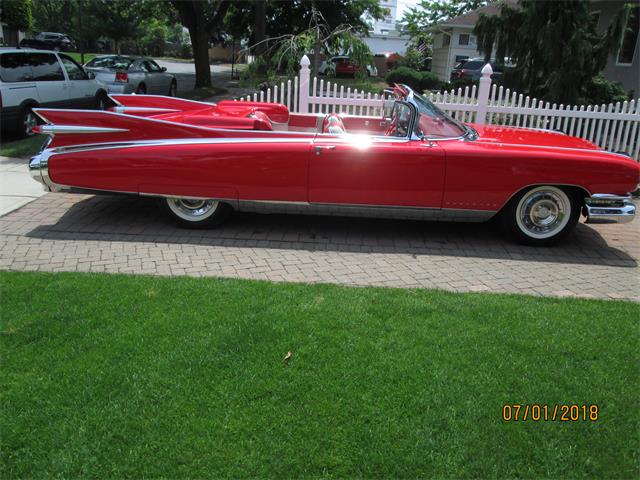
543	212
30	122
192	209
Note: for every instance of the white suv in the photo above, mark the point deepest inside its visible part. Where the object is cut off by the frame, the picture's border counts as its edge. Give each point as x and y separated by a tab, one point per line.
42	78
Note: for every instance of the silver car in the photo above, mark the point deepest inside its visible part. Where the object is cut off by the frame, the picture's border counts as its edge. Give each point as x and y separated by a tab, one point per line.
127	74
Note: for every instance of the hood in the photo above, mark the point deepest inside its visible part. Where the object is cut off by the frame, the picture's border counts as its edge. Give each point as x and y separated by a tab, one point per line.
530	136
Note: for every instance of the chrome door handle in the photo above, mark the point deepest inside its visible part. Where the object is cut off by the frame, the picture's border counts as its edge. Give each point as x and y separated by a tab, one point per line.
319	148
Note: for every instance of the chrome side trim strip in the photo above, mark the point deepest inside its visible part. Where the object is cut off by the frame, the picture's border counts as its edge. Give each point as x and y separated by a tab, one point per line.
368	211
544	147
123	109
56	129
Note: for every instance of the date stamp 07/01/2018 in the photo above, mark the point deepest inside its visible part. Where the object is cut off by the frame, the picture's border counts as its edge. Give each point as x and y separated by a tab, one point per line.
535	412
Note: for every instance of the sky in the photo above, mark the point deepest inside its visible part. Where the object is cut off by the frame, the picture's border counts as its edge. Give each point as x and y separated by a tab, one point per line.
405	5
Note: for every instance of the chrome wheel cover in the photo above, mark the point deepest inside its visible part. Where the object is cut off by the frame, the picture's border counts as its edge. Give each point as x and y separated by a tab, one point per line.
192	210
543	212
30	122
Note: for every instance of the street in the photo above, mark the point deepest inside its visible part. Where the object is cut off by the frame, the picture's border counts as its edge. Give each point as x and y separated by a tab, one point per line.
185	72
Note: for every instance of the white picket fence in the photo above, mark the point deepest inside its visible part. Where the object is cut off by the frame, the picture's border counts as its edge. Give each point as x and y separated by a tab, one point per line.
614	127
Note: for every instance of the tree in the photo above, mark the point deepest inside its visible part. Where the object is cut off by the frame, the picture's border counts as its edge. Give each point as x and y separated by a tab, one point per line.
416	20
201	18
17	14
554	45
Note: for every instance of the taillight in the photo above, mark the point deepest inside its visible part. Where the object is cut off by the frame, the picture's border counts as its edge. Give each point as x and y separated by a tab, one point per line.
460	74
122	77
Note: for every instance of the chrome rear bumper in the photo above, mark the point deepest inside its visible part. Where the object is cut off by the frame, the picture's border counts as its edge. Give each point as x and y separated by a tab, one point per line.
39	170
605	208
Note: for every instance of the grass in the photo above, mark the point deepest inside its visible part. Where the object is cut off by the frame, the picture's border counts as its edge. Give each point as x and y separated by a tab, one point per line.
78	58
23	148
132	376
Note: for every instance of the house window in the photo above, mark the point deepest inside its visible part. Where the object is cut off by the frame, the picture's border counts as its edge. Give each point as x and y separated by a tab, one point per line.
463	39
446	40
629	37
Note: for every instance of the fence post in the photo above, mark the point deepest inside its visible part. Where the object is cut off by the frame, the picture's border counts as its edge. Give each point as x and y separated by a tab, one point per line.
483	94
305	73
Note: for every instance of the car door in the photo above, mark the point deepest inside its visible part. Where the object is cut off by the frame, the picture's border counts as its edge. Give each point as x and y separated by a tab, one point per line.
156	82
394	169
82	91
376	171
51	82
17	84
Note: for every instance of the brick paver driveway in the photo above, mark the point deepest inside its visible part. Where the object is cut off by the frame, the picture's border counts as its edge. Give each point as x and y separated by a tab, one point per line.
132	235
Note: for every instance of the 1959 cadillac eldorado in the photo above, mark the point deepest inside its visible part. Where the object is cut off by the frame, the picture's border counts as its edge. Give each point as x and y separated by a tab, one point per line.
205	160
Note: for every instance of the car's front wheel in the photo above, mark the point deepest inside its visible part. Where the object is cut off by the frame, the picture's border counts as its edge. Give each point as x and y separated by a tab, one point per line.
541	215
197	213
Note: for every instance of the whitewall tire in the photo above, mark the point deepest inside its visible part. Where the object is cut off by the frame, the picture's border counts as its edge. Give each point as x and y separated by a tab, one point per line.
541	215
197	213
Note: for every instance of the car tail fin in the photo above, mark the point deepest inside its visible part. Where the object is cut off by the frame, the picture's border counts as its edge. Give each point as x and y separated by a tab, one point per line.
86	127
158	102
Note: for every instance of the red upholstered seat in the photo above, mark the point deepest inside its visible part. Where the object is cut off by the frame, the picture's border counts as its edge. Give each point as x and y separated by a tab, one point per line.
333	124
262	121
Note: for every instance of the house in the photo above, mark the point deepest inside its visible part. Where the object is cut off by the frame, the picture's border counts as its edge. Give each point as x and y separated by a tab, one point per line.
623	65
383	38
9	36
453	41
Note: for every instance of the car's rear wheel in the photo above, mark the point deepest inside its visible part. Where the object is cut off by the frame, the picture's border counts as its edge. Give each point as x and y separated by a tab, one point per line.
197	213
541	215
142	89
173	89
102	101
28	121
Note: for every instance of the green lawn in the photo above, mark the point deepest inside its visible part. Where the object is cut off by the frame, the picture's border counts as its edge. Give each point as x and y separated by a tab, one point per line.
129	376
21	148
78	58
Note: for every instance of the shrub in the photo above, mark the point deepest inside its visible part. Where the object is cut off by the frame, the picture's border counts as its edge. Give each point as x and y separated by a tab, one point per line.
405	75
418	81
600	90
430	81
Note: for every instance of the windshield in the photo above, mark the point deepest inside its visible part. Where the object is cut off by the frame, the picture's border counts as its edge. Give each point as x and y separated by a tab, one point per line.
433	122
119	63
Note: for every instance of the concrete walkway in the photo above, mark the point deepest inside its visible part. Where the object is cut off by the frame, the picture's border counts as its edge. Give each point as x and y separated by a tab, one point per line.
120	234
17	188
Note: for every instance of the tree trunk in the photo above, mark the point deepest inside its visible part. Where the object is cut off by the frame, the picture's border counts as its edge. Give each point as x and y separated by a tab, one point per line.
193	17
200	44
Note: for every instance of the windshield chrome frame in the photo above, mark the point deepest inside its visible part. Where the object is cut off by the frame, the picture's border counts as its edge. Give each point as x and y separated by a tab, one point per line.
468	132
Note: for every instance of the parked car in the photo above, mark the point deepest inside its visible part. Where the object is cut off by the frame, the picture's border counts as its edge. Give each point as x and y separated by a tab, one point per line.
344	66
41	78
50	41
127	74
206	160
472	69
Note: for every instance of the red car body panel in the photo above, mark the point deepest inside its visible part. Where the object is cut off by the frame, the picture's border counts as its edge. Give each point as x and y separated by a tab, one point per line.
261	152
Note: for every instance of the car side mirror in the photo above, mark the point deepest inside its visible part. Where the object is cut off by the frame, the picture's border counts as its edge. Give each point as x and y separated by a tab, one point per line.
164	69
91	75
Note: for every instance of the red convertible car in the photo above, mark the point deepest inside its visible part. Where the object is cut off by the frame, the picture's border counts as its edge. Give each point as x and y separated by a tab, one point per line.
205	160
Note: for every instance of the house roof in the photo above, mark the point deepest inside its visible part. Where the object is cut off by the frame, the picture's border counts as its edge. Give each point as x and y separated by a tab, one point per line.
469	19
